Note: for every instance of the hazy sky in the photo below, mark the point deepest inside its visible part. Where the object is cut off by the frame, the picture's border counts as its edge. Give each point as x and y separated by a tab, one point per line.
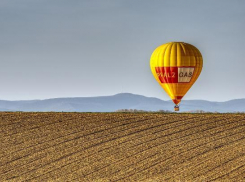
80	48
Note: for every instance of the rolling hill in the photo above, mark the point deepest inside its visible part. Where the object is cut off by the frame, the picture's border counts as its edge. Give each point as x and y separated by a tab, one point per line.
117	102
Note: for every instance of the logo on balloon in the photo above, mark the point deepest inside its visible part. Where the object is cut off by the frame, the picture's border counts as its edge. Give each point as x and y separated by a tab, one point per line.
174	74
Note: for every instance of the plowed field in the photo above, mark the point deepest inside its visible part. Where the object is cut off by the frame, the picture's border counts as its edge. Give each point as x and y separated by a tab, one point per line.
121	147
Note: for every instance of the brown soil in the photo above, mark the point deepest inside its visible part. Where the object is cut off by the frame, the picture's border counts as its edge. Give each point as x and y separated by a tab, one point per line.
121	147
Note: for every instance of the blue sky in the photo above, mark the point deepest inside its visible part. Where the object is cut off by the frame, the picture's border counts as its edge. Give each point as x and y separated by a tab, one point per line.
81	48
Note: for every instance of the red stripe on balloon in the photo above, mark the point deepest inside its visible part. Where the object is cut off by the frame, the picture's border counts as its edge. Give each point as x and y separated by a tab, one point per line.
167	74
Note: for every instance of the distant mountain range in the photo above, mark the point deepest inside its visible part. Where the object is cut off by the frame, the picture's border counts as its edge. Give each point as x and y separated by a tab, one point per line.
117	102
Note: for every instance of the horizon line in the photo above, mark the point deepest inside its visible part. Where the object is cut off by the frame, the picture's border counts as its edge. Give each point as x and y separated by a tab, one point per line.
111	96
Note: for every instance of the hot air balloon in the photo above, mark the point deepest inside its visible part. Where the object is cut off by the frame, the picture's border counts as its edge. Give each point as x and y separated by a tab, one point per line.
176	66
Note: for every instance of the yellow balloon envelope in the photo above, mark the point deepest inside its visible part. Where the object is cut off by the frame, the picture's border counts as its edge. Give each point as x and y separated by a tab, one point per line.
176	66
